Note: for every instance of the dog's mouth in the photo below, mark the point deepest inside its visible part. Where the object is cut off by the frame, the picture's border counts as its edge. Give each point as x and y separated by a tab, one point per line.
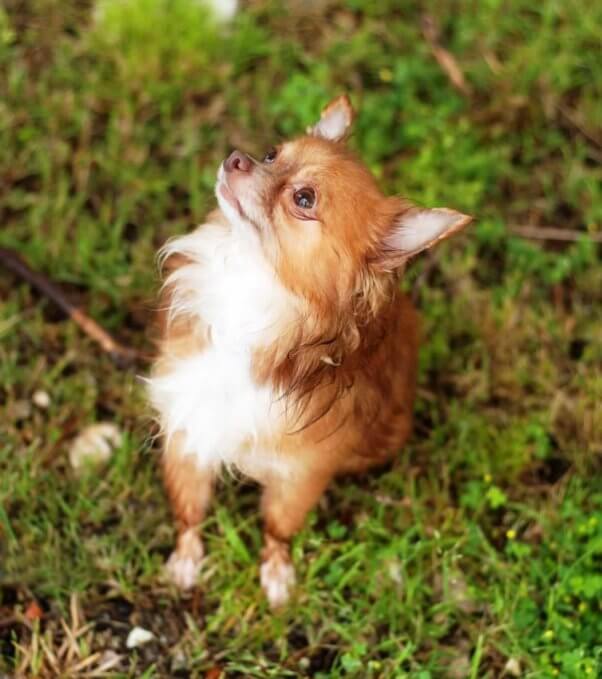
228	195
225	191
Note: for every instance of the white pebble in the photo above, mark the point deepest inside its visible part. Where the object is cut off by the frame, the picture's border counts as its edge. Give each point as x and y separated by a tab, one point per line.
224	10
41	399
513	668
94	445
138	636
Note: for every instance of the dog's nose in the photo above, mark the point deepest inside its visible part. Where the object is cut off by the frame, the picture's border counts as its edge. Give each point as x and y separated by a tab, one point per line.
238	161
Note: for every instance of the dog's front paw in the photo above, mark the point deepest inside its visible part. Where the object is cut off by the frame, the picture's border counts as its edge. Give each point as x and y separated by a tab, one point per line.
277	579
182	570
184	564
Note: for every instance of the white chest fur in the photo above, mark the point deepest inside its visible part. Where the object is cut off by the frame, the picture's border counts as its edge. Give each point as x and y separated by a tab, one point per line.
211	396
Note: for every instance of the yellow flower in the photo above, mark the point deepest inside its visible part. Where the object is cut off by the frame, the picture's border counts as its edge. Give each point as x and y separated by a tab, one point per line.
511	534
386	75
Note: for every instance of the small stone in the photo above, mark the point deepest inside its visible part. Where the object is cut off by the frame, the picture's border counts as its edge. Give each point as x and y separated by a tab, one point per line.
138	636
224	10
512	667
41	399
95	444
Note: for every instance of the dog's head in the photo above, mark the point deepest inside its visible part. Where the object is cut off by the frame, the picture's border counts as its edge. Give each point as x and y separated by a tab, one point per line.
319	214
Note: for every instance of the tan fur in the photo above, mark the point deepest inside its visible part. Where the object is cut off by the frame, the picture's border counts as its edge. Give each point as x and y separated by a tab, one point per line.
189	490
347	366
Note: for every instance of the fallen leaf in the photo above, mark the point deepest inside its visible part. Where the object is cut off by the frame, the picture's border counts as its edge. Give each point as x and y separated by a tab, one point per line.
34	611
214	673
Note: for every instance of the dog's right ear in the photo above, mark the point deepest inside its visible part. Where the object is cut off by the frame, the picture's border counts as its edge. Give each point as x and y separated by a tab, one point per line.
415	229
335	121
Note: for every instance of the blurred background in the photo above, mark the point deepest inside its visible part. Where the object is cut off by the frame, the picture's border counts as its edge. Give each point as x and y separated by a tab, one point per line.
479	553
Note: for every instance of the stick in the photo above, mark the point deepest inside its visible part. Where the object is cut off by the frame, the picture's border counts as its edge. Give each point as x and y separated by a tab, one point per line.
9	621
14	262
553	233
571	117
444	58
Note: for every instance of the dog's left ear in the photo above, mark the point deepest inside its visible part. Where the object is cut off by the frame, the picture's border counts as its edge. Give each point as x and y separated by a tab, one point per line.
416	229
335	121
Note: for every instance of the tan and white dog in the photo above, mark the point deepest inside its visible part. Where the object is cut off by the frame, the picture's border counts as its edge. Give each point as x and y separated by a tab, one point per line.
287	350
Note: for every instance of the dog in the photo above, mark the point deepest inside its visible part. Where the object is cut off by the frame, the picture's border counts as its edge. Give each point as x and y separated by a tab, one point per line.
287	350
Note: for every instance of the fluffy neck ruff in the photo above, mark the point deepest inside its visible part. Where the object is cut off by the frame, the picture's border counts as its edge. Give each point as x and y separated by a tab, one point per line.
220	289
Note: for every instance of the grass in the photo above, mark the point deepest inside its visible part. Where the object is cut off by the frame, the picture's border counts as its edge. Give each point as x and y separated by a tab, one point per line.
479	553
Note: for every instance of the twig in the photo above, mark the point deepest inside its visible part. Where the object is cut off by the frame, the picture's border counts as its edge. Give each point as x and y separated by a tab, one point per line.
553	233
444	58
15	263
571	117
9	621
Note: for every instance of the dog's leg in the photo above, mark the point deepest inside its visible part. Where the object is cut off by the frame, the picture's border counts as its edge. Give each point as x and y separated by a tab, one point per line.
285	505
189	489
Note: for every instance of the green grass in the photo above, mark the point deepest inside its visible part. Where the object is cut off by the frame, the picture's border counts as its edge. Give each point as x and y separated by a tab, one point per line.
483	543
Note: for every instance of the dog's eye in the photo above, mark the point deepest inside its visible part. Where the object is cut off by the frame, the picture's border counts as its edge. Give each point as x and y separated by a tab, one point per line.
270	156
305	198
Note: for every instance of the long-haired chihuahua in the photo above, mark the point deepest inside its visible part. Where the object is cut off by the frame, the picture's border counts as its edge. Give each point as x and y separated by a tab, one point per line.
287	350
